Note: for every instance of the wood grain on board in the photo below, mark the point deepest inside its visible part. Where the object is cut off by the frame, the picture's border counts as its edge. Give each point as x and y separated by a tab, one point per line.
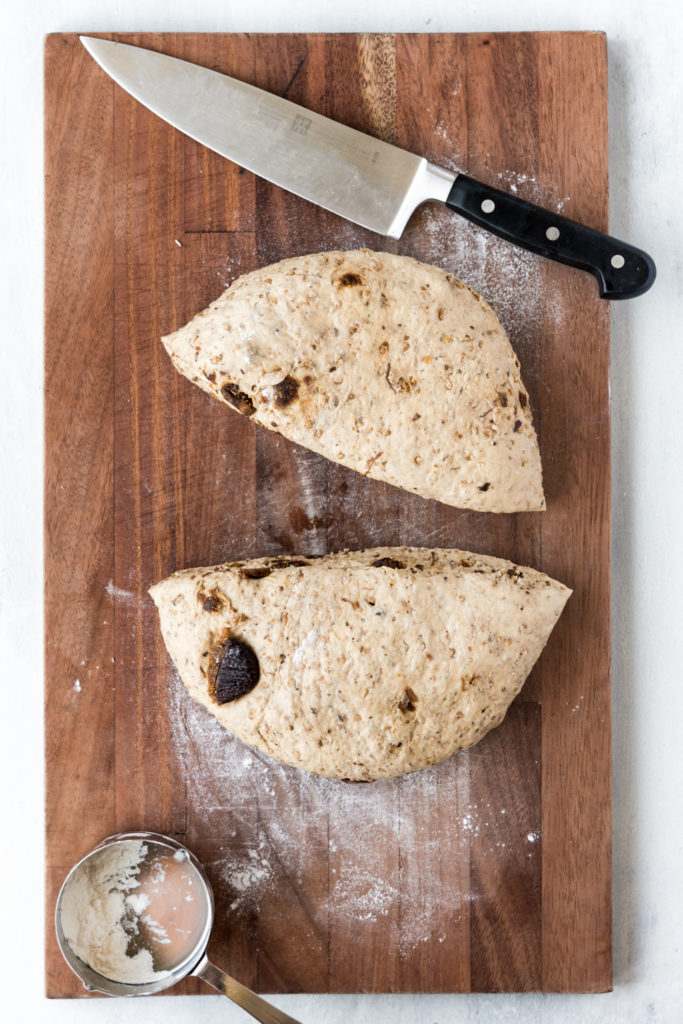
490	872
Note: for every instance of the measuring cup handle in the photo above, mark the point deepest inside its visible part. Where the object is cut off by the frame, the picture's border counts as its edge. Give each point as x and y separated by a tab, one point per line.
241	995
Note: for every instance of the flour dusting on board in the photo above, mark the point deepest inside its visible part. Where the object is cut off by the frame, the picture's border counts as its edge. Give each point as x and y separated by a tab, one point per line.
119	594
367	855
511	279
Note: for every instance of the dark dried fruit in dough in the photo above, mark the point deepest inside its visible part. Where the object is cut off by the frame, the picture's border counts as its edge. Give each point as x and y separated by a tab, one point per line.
257	573
238	399
286	392
407	701
387	563
238	672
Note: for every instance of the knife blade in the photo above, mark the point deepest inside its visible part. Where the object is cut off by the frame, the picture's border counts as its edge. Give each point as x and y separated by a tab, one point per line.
357	176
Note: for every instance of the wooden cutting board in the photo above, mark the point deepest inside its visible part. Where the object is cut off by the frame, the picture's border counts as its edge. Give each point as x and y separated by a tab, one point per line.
490	872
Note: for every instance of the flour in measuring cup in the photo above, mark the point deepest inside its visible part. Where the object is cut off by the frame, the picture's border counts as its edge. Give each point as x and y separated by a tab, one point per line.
101	914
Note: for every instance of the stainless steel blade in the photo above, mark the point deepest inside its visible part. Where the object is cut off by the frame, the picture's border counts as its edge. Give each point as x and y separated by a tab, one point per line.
355	175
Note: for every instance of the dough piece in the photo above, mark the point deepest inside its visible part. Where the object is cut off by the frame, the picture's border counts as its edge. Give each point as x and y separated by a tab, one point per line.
389	366
372	663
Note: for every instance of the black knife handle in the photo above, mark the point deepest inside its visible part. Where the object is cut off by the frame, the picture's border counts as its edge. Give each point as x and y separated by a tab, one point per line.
622	270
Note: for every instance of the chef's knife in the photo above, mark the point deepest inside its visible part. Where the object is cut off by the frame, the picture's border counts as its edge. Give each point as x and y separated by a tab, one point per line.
355	175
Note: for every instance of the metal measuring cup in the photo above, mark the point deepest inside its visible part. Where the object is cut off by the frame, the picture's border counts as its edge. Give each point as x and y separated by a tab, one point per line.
195	962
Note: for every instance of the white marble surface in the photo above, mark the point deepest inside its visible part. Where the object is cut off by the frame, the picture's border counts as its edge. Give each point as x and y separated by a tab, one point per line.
646	105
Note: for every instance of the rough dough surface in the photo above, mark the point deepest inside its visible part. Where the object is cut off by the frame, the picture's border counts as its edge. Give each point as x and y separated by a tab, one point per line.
373	663
391	367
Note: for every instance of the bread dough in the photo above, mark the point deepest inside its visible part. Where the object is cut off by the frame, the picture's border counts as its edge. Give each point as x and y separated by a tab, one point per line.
372	663
391	367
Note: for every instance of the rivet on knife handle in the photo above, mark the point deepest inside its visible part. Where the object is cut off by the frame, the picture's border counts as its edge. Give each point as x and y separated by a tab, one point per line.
622	270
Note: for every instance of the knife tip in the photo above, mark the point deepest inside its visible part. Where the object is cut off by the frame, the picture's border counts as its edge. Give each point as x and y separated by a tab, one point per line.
92	42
